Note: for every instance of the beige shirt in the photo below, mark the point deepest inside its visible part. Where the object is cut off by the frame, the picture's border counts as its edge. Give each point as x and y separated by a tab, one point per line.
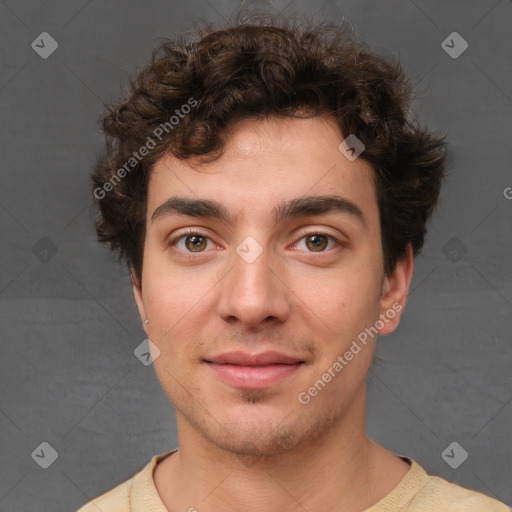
416	492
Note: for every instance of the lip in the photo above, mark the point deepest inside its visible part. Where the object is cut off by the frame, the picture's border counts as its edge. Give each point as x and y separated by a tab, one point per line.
245	359
253	371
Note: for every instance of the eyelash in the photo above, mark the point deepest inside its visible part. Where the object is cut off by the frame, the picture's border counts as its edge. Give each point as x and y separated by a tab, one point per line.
192	232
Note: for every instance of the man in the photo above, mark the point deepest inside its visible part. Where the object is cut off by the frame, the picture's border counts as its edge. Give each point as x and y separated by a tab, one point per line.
268	191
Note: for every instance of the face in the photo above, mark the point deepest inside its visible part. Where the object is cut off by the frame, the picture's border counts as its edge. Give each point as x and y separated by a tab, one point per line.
255	299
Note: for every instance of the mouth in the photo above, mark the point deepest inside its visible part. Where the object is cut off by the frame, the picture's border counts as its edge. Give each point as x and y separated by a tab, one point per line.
254	371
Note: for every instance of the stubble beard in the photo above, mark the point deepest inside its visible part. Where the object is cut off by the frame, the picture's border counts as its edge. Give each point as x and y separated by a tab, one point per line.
298	428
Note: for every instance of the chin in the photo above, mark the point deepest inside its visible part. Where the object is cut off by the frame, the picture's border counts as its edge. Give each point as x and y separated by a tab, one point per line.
263	433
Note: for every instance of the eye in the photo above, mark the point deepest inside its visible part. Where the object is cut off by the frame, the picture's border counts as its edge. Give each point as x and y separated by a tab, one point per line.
317	242
197	242
192	241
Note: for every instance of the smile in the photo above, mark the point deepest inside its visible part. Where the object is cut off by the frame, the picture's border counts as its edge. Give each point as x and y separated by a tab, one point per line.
253	376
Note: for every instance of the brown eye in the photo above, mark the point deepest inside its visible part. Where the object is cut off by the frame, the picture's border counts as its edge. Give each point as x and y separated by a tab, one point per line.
195	243
316	242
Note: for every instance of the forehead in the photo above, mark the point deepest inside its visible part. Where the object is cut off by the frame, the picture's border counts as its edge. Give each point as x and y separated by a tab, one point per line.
266	163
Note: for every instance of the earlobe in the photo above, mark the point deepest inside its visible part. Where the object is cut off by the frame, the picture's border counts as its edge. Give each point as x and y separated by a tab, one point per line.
394	293
137	293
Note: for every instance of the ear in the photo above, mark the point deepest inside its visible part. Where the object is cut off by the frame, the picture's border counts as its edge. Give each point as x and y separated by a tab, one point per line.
137	293
394	293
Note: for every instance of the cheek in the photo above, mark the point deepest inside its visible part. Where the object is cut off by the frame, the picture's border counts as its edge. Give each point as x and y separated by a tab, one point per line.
178	303
173	293
343	301
173	305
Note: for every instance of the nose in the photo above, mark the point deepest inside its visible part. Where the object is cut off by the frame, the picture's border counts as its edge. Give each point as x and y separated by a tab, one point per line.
254	293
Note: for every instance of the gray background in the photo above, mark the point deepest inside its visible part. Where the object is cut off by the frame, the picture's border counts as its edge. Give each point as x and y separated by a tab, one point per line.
69	326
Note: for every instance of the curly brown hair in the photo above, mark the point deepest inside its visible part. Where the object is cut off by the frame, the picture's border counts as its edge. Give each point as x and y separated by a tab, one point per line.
256	68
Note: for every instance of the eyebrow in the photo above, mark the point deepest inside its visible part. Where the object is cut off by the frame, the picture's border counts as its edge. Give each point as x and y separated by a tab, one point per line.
298	207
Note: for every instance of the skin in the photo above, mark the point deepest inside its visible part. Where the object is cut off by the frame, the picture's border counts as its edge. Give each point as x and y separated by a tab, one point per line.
262	449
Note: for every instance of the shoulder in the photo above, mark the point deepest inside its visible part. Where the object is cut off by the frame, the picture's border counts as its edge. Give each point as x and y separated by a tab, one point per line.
442	496
115	500
420	492
136	492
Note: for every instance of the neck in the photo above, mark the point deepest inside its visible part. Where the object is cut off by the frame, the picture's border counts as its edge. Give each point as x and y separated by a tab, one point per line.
342	470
